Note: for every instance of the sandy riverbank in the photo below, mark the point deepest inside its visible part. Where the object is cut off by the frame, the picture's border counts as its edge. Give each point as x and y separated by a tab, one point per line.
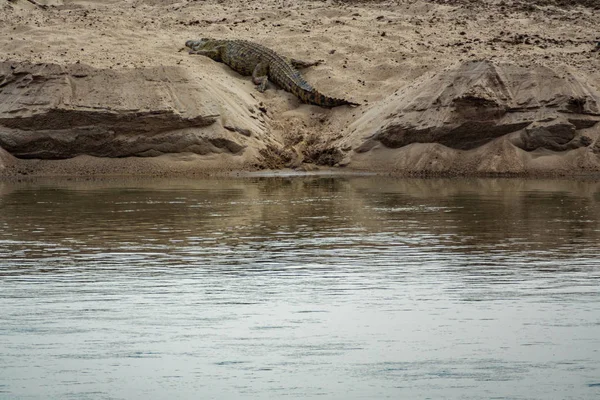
401	60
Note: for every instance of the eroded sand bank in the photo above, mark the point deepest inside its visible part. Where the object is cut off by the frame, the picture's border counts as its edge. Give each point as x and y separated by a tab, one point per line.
446	87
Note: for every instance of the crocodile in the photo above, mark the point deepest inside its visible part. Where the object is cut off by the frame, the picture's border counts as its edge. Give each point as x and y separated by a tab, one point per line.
264	64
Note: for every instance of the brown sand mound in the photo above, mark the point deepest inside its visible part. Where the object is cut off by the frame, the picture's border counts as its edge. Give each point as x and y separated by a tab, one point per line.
49	111
5	159
484	111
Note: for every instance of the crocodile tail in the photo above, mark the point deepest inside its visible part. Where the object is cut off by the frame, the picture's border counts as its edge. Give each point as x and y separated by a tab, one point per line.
319	99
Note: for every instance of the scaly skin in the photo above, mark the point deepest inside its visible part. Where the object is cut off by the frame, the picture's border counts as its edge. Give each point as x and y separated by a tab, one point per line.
264	64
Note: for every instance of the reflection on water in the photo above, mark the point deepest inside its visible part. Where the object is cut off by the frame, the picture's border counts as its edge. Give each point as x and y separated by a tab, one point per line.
342	288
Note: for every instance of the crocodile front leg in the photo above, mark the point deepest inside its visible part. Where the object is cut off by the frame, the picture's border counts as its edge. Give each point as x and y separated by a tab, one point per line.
299	64
259	76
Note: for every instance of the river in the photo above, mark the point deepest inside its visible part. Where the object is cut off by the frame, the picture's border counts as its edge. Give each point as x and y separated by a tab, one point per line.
300	287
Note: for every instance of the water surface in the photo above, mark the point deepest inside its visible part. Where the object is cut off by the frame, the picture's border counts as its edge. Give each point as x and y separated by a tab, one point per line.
304	287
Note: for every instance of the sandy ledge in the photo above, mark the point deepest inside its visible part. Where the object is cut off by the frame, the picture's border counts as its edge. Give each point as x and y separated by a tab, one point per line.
446	87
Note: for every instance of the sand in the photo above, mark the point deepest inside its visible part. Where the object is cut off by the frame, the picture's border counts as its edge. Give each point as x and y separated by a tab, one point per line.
371	51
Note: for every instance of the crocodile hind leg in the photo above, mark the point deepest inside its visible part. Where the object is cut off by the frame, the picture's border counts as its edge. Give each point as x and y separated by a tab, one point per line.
299	64
259	76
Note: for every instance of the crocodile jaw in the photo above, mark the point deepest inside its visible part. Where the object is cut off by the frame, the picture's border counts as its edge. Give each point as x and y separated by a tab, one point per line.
197	44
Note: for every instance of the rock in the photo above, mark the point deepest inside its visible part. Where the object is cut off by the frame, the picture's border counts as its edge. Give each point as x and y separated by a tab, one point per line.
475	104
556	136
50	111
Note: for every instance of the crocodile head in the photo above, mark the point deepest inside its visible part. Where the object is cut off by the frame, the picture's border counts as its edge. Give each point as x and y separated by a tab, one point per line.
198	44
